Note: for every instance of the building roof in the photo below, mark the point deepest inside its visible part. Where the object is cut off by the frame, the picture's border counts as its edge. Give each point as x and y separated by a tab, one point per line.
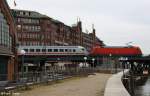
118	50
99	41
33	14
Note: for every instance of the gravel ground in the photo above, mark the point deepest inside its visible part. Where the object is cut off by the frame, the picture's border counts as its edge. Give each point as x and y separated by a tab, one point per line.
92	85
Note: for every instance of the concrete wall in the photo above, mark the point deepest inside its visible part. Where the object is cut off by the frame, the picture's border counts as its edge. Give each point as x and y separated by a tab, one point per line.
115	87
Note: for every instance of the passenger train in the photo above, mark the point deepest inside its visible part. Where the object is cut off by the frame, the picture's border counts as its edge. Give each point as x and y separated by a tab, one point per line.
53	50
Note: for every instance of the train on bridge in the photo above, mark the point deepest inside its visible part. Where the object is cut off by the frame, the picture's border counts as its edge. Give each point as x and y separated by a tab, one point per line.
52	50
35	57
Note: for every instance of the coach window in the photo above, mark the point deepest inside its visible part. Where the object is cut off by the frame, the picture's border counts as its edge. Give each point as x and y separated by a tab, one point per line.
74	50
43	50
61	50
69	50
37	50
49	50
66	50
55	50
31	50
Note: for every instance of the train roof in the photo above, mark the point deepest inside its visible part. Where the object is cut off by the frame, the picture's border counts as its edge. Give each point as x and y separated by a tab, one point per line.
118	46
51	47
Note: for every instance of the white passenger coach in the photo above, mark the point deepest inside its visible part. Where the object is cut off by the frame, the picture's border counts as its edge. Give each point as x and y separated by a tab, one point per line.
53	50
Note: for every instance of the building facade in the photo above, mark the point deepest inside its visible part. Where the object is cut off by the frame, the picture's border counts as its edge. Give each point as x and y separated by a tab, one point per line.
7	43
34	29
88	41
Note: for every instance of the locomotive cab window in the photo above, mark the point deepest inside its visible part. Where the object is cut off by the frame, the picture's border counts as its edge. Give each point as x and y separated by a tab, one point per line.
82	49
26	50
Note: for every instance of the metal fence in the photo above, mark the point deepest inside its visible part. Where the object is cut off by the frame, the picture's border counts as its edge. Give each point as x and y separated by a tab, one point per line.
26	79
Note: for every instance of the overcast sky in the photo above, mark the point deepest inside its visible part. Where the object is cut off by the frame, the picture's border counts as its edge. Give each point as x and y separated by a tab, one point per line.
117	22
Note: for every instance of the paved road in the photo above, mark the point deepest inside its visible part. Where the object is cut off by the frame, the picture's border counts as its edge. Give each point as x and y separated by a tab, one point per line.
92	85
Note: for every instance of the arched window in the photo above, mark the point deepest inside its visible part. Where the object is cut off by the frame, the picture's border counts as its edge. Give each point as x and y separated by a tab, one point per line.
5	38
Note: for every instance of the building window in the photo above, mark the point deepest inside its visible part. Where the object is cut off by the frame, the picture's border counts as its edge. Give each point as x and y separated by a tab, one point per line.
5	38
38	28
27	13
29	28
38	43
19	20
28	20
21	13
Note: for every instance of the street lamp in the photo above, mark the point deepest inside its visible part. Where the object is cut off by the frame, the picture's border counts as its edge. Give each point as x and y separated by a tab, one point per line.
93	59
22	52
85	58
109	60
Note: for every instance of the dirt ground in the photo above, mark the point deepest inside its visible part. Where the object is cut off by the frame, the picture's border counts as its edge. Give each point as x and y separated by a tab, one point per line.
92	85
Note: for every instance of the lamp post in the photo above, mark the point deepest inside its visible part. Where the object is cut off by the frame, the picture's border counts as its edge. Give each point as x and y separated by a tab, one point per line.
85	58
93	59
110	55
22	52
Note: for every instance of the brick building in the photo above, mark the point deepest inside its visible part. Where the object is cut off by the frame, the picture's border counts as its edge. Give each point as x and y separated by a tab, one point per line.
7	43
34	28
